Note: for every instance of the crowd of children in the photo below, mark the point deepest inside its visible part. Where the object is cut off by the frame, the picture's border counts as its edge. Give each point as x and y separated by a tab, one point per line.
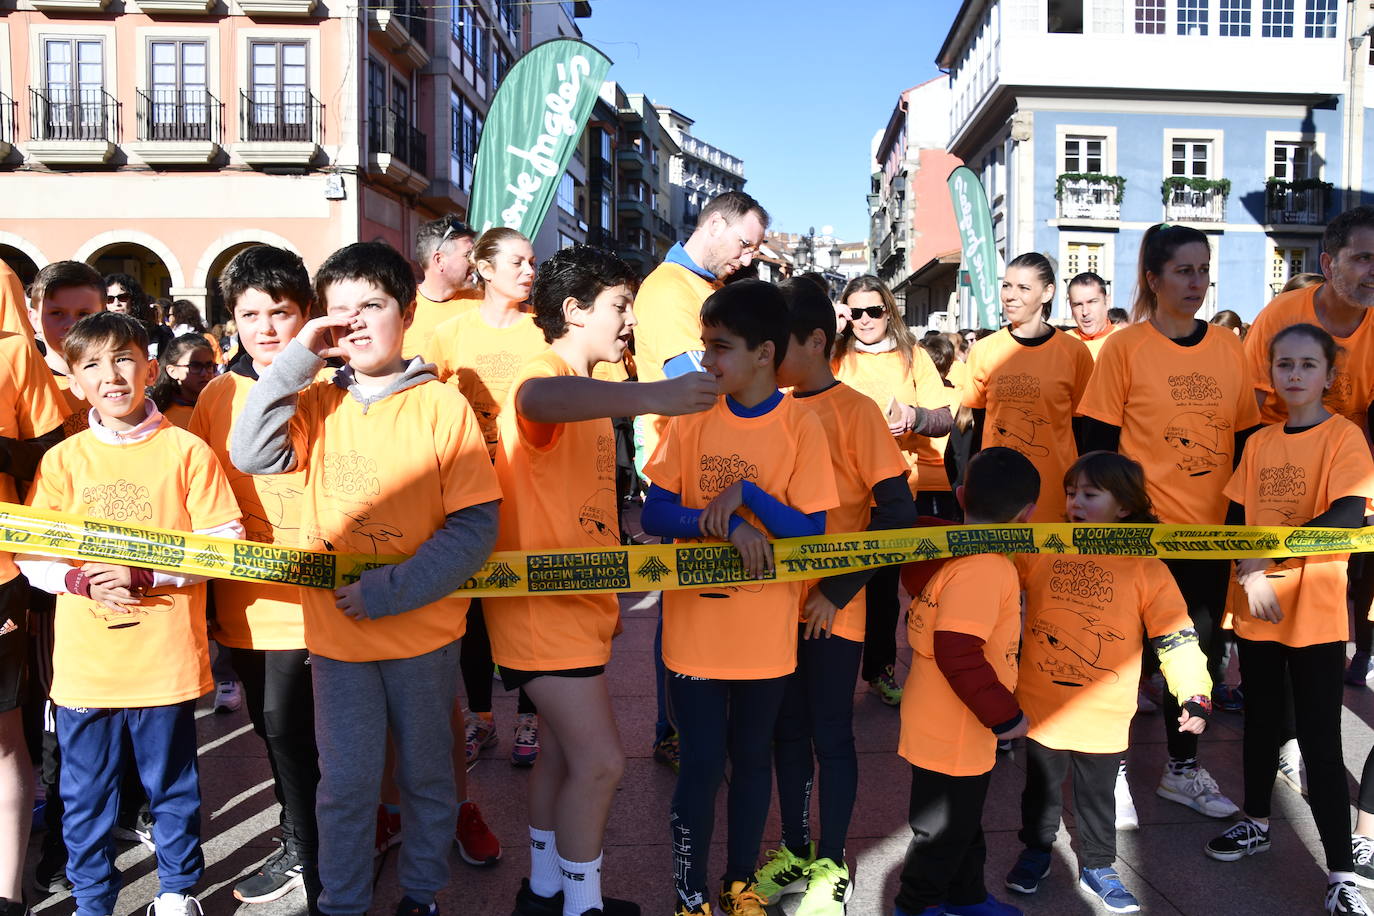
362	413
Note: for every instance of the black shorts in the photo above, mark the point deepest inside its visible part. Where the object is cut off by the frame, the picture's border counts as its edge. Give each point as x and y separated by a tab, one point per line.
514	679
14	642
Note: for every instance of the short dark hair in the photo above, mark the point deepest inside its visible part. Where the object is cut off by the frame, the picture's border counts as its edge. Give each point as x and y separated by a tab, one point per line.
810	310
375	262
732	206
184	311
754	310
998	483
438	232
104	329
65	275
941	351
581	273
1337	234
279	273
1088	278
1318	335
1117	314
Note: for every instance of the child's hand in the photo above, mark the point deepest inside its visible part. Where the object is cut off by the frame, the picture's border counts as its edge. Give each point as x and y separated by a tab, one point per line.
317	336
349	599
715	518
690	393
108	576
1193	724
1264	604
819	614
118	599
754	550
901	420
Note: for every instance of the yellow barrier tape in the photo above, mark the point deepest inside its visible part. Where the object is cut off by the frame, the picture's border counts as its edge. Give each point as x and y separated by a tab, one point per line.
665	566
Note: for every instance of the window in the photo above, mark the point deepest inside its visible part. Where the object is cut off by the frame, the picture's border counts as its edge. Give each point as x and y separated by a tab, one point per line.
1149	17
509	14
566	241
1192	17
400	101
1293	161
500	63
74	80
177	86
376	86
1276	19
469	33
605	209
279	91
1191	158
1084	257
1107	16
1235	18
1065	16
1284	264
605	141
567	195
455	131
1083	154
1320	19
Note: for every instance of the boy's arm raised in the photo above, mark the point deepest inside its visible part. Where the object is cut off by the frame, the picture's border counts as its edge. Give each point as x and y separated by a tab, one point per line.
571	398
260	442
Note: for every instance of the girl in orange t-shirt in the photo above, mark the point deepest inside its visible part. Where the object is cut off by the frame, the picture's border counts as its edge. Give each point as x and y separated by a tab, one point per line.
1314	470
186	368
877	355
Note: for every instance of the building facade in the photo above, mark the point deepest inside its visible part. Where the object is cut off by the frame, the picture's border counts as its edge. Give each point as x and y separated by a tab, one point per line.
696	174
642	190
161	137
1090	120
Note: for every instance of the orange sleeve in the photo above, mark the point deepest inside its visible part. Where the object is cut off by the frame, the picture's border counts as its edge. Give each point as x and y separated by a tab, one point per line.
872	449
39	406
1105	396
1247	410
209	501
1256	346
1237	488
664	467
14	315
975	391
1351	472
967	591
208	402
812	485
1163	610
930	388
466	475
1083	372
43	490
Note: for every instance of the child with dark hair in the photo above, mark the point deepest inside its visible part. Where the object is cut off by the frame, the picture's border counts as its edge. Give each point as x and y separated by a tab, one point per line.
186	367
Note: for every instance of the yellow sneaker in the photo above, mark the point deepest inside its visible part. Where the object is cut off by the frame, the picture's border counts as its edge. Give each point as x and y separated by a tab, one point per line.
703	910
740	899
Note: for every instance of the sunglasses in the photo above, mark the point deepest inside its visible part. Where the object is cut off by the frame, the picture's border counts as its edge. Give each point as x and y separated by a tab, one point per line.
873	311
117	297
197	367
453	226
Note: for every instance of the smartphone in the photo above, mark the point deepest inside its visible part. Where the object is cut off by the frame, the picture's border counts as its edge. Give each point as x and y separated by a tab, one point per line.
682	364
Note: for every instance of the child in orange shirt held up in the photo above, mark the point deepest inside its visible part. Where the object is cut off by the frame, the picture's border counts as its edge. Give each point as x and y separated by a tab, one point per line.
393	463
556	459
964	629
752	466
1080	662
186	366
1314	469
132	466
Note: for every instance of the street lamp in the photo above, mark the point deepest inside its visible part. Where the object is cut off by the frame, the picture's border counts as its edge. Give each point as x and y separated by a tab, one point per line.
835	254
805	250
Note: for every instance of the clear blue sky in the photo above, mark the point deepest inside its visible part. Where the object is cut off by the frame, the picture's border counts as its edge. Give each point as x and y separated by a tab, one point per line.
794	88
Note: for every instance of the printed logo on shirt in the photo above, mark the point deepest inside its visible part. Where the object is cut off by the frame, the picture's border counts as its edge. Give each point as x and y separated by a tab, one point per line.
1341	390
1201	439
1016	428
1073	641
1018	387
8	627
351	474
597	518
718	472
605	456
1195	386
121	501
1285	480
501	364
274	496
1082	579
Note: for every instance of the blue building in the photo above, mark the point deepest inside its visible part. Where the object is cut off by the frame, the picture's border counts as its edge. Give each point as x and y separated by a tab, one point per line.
1090	120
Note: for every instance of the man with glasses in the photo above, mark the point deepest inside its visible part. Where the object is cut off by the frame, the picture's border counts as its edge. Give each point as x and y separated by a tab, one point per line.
442	247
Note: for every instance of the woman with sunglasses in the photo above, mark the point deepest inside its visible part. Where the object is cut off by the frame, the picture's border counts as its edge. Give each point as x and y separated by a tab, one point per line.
877	354
1025	381
125	294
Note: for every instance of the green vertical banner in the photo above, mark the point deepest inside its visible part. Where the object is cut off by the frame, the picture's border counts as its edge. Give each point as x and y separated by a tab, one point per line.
532	128
981	266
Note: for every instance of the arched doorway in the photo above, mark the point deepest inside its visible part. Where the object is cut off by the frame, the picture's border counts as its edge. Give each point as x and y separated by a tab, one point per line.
216	309
20	263
136	261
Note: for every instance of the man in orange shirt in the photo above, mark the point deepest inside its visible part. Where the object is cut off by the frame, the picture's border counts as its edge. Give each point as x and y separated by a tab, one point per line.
1089	304
965	632
442	247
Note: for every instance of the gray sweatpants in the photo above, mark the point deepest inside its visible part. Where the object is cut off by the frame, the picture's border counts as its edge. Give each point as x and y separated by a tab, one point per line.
355	704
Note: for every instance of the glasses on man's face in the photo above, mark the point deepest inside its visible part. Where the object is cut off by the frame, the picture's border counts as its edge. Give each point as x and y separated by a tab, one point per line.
196	367
747	247
116	297
873	311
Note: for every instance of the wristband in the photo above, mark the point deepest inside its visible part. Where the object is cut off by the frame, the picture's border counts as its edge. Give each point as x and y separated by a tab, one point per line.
78	583
1200	706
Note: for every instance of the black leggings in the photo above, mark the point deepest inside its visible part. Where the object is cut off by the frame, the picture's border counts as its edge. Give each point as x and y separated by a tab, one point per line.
1360	594
881	609
1203	584
1094	801
817	717
474	653
1316	674
717	720
944	863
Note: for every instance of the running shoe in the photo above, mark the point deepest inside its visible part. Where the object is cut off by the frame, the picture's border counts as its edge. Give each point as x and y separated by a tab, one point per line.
528	903
479	732
784	872
170	904
50	873
388	830
409	907
1032	867
1105	884
828	889
1357	675
137	830
275	878
886	687
740	899
683	910
1195	788
989	907
667	751
228	697
1343	898
1291	768
1228	698
1245	838
1126	816
526	749
475	841
1362	851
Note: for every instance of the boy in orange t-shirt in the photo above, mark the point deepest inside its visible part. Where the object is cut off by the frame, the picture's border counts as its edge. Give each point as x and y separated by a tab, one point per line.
751	466
815	725
133	467
393	463
62	294
965	630
557	461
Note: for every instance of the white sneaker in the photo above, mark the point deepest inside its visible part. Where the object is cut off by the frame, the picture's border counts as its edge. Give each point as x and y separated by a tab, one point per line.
228	696
174	905
1343	898
1291	768
1198	790
1126	817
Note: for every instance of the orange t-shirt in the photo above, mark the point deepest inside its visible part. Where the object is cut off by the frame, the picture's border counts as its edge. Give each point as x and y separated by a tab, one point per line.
1179	409
1080	658
862	455
1031	393
931	475
1351	390
14	313
978	596
481	362
252	615
30	406
179	414
884	376
1284	479
746	631
380	480
1094	344
561	481
80	416
430	314
156	653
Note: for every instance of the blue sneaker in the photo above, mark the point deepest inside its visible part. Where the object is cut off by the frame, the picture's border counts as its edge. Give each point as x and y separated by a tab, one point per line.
1105	884
1025	876
989	907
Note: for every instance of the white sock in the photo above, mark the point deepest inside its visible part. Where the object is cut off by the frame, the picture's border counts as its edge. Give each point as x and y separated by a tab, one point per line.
544	876
581	886
1340	876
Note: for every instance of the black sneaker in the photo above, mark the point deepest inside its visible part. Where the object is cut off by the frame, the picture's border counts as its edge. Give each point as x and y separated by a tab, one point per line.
528	903
1245	838
408	907
138	829
1362	851
277	877
50	874
1343	898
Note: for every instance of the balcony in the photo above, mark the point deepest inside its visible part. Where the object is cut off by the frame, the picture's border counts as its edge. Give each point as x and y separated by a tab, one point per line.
1085	197
279	127
292	8
72	130
178	127
396	151
8	107
1195	200
176	7
400	25
630	159
1297	203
